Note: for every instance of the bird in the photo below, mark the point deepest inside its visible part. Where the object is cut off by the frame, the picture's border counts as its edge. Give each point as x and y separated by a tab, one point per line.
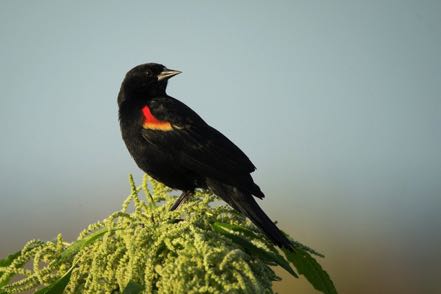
175	146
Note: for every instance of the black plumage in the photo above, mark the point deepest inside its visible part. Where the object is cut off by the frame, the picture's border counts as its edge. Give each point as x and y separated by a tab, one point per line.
174	145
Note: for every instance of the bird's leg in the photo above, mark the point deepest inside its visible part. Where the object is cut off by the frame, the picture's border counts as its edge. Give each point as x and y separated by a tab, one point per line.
184	196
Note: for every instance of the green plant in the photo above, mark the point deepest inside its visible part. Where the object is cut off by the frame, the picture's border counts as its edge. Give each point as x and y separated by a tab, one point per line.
200	248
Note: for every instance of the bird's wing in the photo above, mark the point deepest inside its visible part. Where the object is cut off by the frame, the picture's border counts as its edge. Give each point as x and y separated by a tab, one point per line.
195	144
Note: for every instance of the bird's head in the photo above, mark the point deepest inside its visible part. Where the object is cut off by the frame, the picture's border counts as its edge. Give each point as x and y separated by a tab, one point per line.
147	80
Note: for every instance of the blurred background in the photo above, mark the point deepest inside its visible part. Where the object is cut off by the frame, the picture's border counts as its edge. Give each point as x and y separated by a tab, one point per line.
336	102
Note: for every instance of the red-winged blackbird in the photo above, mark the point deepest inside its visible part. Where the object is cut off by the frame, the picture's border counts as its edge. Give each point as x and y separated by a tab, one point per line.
175	146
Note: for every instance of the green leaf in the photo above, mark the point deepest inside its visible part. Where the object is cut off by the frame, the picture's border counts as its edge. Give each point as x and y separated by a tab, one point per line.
80	244
252	249
311	269
247	232
6	262
58	286
238	228
253	234
9	259
133	288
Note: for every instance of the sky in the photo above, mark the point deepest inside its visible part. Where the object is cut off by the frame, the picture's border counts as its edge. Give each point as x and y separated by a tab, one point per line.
337	103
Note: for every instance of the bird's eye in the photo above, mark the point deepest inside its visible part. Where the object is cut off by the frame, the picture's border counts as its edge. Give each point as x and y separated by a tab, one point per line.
148	74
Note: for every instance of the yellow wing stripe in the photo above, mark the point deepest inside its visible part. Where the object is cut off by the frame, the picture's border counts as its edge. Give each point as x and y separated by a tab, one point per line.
161	126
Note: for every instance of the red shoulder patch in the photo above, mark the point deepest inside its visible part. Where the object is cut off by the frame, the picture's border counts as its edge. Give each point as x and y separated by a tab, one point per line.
152	123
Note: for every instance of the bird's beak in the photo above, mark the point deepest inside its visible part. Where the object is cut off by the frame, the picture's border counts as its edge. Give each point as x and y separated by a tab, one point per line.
167	73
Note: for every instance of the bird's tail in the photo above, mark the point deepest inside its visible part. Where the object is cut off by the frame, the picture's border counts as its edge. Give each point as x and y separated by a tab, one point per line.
246	204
